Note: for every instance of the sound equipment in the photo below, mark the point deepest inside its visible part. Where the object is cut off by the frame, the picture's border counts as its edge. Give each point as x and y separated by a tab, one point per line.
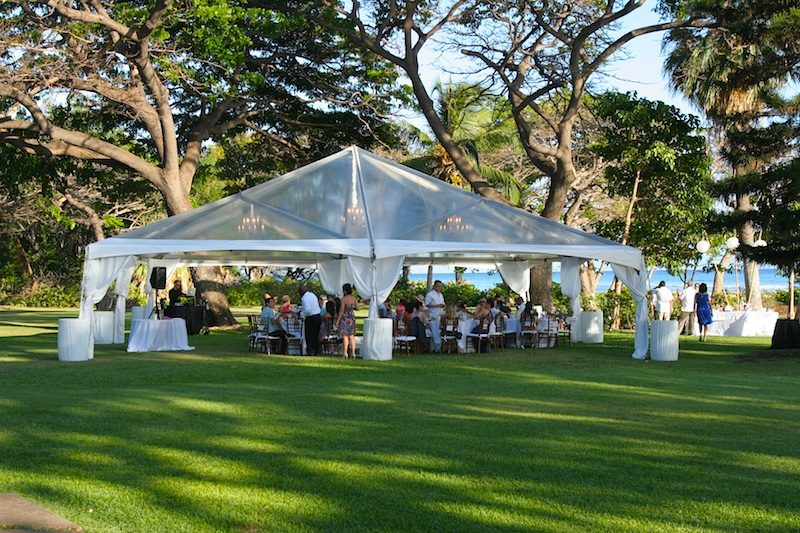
158	278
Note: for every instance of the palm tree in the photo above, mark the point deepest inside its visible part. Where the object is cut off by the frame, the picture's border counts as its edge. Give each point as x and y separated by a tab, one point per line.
706	66
480	124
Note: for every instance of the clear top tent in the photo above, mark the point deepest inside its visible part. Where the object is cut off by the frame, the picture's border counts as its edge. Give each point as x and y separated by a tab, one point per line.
359	218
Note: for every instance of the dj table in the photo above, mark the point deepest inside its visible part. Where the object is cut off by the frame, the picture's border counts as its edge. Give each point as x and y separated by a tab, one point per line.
194	315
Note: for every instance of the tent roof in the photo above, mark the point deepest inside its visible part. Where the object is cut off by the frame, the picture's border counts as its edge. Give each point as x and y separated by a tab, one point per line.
357	204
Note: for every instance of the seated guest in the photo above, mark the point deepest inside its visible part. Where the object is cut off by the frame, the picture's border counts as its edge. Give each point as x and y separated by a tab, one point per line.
176	293
273	325
401	305
385	309
286	305
450	311
501	307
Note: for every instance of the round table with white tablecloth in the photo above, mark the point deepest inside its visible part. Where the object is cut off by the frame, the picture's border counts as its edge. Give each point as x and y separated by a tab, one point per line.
158	335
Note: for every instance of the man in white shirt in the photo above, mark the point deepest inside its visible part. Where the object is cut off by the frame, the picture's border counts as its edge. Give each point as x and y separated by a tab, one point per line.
662	302
434	301
687	308
312	319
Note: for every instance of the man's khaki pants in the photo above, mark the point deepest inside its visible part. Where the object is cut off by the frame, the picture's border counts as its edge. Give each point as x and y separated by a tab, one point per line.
686	315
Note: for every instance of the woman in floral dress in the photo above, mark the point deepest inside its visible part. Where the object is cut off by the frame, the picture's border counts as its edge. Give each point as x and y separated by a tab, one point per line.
346	321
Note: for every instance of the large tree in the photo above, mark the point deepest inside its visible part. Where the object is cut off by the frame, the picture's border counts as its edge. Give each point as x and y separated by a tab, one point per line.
542	55
732	72
661	171
175	75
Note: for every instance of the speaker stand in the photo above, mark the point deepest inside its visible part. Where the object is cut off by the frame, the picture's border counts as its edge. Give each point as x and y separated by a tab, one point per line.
157	307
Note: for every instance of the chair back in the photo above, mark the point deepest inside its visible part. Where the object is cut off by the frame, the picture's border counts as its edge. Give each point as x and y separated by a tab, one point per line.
485	324
499	324
448	325
528	322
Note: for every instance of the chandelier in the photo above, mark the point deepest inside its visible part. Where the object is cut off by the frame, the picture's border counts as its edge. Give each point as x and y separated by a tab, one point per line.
453	224
252	224
353	214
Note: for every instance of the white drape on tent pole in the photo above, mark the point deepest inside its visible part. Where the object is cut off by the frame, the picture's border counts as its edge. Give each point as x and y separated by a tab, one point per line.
121	288
636	281
571	286
383	278
98	274
333	274
516	274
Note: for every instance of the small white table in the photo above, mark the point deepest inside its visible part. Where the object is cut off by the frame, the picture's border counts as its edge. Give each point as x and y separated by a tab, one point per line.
158	335
664	340
377	341
592	327
75	339
103	327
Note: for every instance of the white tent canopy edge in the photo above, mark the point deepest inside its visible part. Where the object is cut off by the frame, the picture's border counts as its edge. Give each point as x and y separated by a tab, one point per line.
350	246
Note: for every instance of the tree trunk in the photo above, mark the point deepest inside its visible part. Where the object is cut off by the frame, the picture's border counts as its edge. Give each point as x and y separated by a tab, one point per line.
719	274
430	279
792	312
589	282
542	286
210	286
615	320
459	275
752	278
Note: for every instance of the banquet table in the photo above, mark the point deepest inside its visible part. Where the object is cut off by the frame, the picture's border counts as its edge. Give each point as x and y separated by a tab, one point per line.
158	335
513	326
194	315
787	334
742	323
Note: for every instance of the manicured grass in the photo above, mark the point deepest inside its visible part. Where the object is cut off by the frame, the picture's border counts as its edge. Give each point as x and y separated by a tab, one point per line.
553	440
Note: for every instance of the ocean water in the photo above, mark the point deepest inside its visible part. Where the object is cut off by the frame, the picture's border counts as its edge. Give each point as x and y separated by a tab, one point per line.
770	279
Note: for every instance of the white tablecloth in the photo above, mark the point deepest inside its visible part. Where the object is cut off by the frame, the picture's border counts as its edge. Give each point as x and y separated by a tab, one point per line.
742	323
158	335
377	345
664	340
513	326
592	327
74	339
103	326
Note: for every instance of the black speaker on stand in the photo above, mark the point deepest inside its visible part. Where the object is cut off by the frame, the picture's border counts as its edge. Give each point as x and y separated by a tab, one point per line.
158	280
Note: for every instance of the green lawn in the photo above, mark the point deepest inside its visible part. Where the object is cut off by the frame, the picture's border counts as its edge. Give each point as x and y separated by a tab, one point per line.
580	438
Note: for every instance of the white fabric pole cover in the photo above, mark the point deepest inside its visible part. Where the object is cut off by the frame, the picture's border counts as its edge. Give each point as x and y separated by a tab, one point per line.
637	283
571	287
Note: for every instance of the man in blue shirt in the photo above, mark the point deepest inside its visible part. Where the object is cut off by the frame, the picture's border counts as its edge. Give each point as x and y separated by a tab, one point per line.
273	324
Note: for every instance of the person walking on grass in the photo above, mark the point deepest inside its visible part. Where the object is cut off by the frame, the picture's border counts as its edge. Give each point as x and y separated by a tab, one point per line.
702	308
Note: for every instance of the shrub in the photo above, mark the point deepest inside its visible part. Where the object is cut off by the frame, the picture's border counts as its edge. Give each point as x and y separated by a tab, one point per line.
627	312
45	296
252	292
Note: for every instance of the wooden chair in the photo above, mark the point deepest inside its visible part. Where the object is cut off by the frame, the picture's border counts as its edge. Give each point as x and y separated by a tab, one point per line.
528	332
401	340
254	324
331	343
565	334
449	330
497	334
548	332
480	337
294	334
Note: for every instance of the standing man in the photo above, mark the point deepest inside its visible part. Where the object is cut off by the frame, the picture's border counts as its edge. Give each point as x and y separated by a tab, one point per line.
434	301
662	302
312	319
687	308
